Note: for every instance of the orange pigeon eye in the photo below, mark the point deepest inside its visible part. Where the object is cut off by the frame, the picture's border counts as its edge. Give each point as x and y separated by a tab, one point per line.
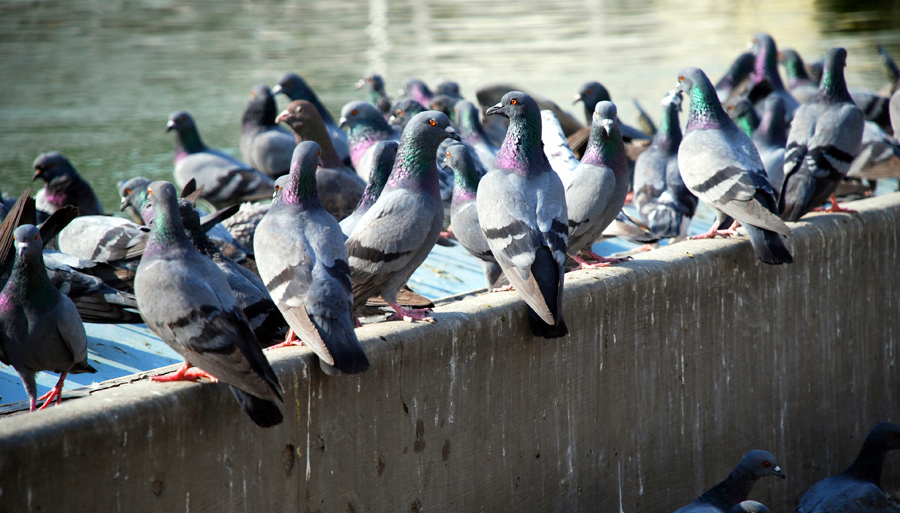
681	78
277	188
766	464
588	91
36	236
355	112
514	102
399	112
320	153
149	190
448	154
127	192
432	122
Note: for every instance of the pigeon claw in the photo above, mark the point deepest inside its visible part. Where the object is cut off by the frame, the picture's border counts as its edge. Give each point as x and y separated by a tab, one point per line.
186	372
54	393
290	340
410	314
835	207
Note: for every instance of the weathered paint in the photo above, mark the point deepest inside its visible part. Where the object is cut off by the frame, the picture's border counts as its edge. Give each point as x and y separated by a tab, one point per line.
677	364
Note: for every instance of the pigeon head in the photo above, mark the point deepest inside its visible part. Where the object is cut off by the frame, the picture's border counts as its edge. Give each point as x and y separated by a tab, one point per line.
431	127
360	114
261	109
166	226
515	104
605	114
418	146
605	146
187	138
302	117
50	165
28	241
465	178
833	86
134	196
300	189
417	90
794	66
294	87
744	114
705	110
180	121
886	435
403	111
442	103
372	83
448	88
758	464
591	93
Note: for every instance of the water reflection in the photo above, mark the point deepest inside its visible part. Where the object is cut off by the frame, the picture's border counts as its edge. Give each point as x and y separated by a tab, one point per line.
96	80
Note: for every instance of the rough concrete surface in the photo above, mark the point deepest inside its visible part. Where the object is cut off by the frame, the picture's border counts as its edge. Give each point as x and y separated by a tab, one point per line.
677	364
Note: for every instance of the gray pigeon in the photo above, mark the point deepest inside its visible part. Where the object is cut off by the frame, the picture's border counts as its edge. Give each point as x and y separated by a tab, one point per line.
765	79
878	157
395	236
662	200
720	164
302	260
825	136
596	194
373	85
770	138
295	88
464	213
185	299
736	77
593	92
402	111
858	488
802	87
384	154
736	487
366	126
64	186
40	329
522	210
265	145
225	179
339	187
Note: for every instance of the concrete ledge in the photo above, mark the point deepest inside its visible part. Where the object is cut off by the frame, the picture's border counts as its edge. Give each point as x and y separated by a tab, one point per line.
677	364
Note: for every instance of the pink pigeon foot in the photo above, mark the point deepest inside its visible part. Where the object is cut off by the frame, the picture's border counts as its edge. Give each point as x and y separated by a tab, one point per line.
54	393
713	233
290	340
835	207
409	315
505	288
186	372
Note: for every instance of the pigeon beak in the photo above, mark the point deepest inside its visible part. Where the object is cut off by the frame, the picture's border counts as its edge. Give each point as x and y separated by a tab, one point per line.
170	126
451	133
277	89
496	109
393	120
606	124
577	99
123	204
779	472
281	117
37	174
21	247
342	122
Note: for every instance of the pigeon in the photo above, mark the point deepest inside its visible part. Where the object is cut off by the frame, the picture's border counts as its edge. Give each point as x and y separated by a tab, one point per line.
874	106
749	507
448	88
384	154
395	236
134	197
265	145
593	92
302	260
339	187
521	206
40	329
373	85
64	186
471	131
878	157
662	200
295	88
744	114
403	111
464	213
770	138
250	292
443	103
736	487
825	136
858	488
802	87
765	78
225	179
366	127
735	78
556	147
596	194
185	299
721	166
417	90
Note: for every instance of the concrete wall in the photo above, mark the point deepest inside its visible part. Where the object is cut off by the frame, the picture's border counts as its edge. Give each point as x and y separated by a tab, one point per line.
677	364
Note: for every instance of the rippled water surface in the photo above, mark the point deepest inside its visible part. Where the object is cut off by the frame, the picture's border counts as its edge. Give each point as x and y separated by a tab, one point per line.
97	79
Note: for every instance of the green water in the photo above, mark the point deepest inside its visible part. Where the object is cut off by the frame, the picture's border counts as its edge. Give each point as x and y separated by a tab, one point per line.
96	79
